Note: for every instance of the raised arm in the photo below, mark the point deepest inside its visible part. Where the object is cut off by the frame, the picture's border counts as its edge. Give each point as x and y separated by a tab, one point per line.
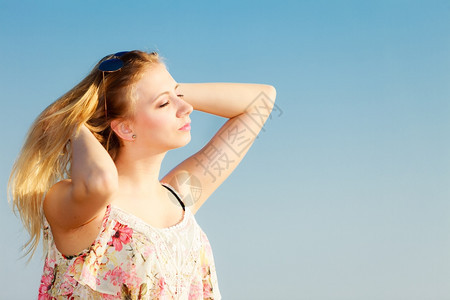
226	99
74	202
247	106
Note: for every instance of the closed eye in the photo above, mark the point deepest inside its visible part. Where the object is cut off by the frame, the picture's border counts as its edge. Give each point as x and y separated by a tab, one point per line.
165	104
162	105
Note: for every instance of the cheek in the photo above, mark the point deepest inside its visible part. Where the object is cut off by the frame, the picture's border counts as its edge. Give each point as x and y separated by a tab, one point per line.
152	122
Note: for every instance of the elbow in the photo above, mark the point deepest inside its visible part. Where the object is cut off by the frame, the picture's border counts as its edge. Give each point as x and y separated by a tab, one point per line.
102	185
265	99
271	92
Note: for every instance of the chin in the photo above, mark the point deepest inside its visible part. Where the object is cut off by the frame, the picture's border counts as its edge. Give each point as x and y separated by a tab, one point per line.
188	139
182	142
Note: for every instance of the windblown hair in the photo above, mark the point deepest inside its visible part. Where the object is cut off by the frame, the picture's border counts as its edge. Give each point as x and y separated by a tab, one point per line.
46	154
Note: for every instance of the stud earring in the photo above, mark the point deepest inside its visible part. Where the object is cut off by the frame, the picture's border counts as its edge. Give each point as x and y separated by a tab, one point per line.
133	136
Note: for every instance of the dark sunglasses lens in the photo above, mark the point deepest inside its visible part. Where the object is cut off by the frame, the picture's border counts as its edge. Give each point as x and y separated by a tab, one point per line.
111	65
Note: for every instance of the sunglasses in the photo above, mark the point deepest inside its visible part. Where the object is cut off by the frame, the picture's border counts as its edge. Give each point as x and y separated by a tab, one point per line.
111	65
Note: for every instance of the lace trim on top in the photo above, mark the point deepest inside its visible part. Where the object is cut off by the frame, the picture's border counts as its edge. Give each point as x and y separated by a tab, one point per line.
175	242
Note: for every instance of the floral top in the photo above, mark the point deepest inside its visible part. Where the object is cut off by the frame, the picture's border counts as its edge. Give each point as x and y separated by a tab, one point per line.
133	260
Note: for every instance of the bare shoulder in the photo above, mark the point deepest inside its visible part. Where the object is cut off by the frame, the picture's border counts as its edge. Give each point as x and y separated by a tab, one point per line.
60	191
65	212
187	186
69	239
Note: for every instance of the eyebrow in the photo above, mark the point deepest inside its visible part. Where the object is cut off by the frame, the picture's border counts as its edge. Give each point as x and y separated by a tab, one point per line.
166	92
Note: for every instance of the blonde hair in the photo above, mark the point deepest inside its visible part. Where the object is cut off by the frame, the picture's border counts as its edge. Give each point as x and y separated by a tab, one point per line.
46	153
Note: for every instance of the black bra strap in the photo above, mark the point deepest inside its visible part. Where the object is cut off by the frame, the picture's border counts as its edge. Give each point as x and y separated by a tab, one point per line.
175	194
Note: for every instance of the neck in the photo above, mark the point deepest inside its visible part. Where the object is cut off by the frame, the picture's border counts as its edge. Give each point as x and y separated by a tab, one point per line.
139	174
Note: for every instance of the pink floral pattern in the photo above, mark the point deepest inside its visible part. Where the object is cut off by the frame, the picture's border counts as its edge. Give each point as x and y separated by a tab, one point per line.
47	279
122	236
125	262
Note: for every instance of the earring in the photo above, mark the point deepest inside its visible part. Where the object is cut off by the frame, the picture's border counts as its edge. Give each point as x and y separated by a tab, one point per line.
133	136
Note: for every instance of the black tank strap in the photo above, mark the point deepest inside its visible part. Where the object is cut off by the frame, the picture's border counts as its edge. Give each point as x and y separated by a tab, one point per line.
175	194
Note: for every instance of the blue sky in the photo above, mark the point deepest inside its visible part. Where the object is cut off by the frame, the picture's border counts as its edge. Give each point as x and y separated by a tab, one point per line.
345	195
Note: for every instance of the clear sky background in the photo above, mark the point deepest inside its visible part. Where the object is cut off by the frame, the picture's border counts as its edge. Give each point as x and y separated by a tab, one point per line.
345	195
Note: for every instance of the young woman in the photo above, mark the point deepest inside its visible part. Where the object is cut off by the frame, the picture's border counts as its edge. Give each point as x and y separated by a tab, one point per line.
87	177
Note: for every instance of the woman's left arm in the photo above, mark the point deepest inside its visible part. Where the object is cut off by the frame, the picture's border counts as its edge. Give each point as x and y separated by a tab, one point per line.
225	99
247	106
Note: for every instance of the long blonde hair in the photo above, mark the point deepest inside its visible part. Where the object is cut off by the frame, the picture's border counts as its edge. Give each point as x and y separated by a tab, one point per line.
46	154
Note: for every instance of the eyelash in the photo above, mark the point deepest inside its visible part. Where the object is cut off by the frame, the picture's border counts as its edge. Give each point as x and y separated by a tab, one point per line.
165	104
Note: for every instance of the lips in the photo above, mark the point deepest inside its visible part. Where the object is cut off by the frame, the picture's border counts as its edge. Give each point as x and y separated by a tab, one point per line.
185	127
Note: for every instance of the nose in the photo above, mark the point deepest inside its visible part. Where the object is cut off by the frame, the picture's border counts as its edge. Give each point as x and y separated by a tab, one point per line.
184	108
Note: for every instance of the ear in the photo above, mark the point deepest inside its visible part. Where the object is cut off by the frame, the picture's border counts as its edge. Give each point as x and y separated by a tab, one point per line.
123	128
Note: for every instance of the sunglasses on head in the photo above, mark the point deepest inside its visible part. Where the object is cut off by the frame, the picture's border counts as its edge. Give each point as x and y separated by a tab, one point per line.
110	65
113	64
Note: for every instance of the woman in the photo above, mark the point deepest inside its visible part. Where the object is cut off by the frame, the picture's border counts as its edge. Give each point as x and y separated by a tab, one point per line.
88	177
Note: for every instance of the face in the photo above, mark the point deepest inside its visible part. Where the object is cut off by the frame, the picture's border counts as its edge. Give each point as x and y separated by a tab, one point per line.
161	116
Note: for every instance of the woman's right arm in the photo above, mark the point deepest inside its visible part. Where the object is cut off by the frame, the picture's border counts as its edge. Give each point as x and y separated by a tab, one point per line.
72	203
